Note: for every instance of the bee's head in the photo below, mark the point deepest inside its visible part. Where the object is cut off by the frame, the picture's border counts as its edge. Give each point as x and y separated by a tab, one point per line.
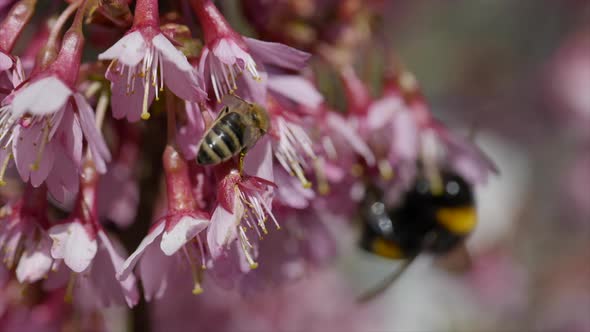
259	117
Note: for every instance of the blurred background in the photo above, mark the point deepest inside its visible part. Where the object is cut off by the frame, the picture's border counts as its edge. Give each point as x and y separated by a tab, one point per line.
519	71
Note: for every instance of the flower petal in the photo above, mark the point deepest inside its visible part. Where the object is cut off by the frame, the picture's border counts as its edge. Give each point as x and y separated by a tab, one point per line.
277	54
130	262
98	147
339	125
186	228
222	230
128	284
72	243
296	88
129	50
178	73
44	96
36	261
380	112
258	161
125	103
5	61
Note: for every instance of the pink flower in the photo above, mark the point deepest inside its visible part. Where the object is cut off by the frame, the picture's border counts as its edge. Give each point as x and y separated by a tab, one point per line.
227	54
244	204
144	57
175	231
83	246
47	124
7	67
23	236
292	146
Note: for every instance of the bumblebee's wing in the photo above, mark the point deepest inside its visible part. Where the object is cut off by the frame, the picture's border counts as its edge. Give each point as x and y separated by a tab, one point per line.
457	260
386	282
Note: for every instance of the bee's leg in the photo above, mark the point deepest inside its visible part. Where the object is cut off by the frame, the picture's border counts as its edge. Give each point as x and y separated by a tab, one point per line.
241	162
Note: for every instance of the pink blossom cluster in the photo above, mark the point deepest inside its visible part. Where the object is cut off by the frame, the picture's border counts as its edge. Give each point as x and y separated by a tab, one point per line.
73	129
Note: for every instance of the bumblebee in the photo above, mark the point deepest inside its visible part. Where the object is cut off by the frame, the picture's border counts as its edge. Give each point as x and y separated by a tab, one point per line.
426	220
237	129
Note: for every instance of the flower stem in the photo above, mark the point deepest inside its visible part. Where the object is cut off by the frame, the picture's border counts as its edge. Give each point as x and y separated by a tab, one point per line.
146	13
14	23
49	52
212	22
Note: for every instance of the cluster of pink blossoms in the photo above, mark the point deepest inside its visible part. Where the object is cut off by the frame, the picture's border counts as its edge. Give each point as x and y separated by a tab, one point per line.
79	167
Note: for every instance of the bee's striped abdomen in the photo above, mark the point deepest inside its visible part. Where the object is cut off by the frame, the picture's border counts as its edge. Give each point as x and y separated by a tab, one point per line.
222	141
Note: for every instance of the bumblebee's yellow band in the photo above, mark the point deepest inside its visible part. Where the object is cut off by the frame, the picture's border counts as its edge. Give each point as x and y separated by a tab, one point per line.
386	249
458	220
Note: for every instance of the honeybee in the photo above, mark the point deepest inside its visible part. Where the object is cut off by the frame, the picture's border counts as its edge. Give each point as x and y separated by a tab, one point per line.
237	129
426	220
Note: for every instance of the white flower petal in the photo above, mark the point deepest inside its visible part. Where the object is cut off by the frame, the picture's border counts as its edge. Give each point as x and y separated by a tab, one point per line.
186	228
129	50
171	53
45	96
222	230
36	262
129	264
73	243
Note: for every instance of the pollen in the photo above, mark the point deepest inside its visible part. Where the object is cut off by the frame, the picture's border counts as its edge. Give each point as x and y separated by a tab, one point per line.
385	170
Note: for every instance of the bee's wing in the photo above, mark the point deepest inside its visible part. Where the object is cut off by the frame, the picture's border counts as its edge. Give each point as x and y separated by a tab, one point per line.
234	102
225	110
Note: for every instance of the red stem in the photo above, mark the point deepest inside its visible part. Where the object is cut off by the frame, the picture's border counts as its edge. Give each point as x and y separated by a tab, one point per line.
212	22
14	23
146	13
178	184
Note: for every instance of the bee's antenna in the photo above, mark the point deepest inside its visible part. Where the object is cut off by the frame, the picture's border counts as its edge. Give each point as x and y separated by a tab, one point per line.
386	282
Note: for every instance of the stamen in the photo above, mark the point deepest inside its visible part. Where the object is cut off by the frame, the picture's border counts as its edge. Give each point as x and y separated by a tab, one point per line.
70	288
430	152
245	244
323	186
92	89
161	66
145	115
385	169
300	175
202	251
214	83
329	148
270	213
3	168
195	272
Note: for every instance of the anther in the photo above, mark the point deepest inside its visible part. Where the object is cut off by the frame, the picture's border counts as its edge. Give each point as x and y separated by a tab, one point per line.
385	169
